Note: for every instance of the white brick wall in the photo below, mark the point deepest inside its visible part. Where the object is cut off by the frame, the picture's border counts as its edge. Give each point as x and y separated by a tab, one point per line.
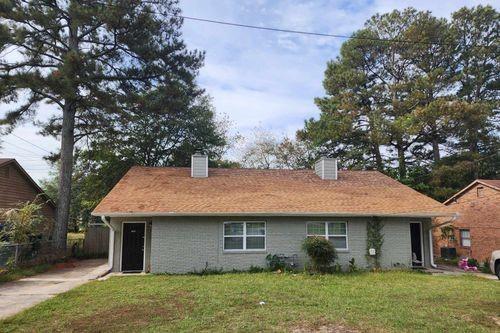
185	244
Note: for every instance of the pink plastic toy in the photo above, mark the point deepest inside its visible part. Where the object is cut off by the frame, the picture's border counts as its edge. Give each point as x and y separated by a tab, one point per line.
463	264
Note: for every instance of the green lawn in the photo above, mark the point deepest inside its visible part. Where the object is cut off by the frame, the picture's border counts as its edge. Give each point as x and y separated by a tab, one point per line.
388	301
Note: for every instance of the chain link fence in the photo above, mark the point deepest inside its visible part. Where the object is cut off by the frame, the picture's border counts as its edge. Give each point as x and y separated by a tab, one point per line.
94	245
26	253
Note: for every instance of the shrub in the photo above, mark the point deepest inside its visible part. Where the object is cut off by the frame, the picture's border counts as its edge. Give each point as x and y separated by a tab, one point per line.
374	240
352	266
208	271
275	262
320	251
24	223
485	267
255	269
472	262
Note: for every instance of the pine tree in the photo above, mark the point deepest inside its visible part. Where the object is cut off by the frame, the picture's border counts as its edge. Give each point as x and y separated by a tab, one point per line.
86	59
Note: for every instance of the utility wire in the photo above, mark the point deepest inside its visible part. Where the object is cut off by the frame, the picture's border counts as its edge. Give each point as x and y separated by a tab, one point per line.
34	145
300	32
19	147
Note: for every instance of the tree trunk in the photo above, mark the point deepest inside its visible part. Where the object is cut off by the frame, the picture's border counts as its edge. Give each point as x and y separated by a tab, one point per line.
435	150
473	144
67	146
65	175
401	161
378	157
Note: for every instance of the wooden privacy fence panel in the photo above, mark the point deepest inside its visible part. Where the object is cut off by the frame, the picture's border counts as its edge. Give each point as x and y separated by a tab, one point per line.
96	241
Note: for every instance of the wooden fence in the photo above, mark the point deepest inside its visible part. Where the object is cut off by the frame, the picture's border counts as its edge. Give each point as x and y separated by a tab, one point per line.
96	243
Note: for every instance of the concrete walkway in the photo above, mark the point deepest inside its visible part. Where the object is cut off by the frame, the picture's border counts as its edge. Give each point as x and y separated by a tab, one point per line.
453	270
18	295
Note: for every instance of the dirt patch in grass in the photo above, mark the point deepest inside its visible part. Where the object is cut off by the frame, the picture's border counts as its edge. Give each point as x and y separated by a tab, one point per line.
132	316
496	320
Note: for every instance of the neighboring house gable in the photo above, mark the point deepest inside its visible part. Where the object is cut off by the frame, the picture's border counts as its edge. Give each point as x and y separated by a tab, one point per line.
477	189
16	187
477	227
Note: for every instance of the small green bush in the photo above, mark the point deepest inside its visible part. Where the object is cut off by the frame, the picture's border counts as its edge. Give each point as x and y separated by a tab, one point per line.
275	262
321	252
472	262
255	269
485	267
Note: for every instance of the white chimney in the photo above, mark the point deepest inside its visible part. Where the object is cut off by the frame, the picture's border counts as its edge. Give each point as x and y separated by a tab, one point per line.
199	165
326	168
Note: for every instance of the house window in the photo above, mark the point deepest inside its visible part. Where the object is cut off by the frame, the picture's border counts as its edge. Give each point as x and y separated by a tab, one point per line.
335	232
465	237
244	236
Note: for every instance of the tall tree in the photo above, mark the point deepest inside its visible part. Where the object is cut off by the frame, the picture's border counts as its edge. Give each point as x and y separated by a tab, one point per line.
478	36
415	96
396	77
350	124
433	60
265	151
260	151
157	130
85	58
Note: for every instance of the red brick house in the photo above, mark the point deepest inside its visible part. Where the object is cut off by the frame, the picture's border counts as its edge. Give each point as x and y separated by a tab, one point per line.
477	227
17	186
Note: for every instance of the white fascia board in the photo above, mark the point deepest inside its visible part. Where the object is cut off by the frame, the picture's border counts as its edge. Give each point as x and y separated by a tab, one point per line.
305	214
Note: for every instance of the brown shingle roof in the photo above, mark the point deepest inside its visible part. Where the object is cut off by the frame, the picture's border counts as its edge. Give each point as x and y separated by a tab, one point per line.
171	191
491	182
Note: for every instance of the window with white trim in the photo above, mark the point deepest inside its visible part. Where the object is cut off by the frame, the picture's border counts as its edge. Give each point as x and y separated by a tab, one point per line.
243	236
335	232
465	237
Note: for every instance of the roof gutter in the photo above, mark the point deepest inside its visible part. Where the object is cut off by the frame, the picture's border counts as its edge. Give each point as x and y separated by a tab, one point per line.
270	214
106	222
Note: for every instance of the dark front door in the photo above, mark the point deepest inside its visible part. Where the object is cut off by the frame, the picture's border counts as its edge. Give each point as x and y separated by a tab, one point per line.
416	244
133	246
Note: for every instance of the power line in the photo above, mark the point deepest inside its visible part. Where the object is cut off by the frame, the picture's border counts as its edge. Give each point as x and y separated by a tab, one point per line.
300	32
22	148
34	145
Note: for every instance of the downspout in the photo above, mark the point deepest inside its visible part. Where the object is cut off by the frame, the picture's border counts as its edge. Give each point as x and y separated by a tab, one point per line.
433	265
111	241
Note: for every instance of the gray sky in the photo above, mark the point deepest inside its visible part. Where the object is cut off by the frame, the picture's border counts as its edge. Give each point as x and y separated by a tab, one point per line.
256	78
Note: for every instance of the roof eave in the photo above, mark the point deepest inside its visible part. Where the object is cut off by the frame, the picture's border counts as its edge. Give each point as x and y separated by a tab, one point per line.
302	214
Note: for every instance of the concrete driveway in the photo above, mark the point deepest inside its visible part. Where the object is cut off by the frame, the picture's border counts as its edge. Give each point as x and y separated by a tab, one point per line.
18	295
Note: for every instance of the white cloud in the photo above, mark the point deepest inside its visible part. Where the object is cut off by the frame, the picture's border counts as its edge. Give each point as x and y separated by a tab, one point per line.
262	78
270	78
